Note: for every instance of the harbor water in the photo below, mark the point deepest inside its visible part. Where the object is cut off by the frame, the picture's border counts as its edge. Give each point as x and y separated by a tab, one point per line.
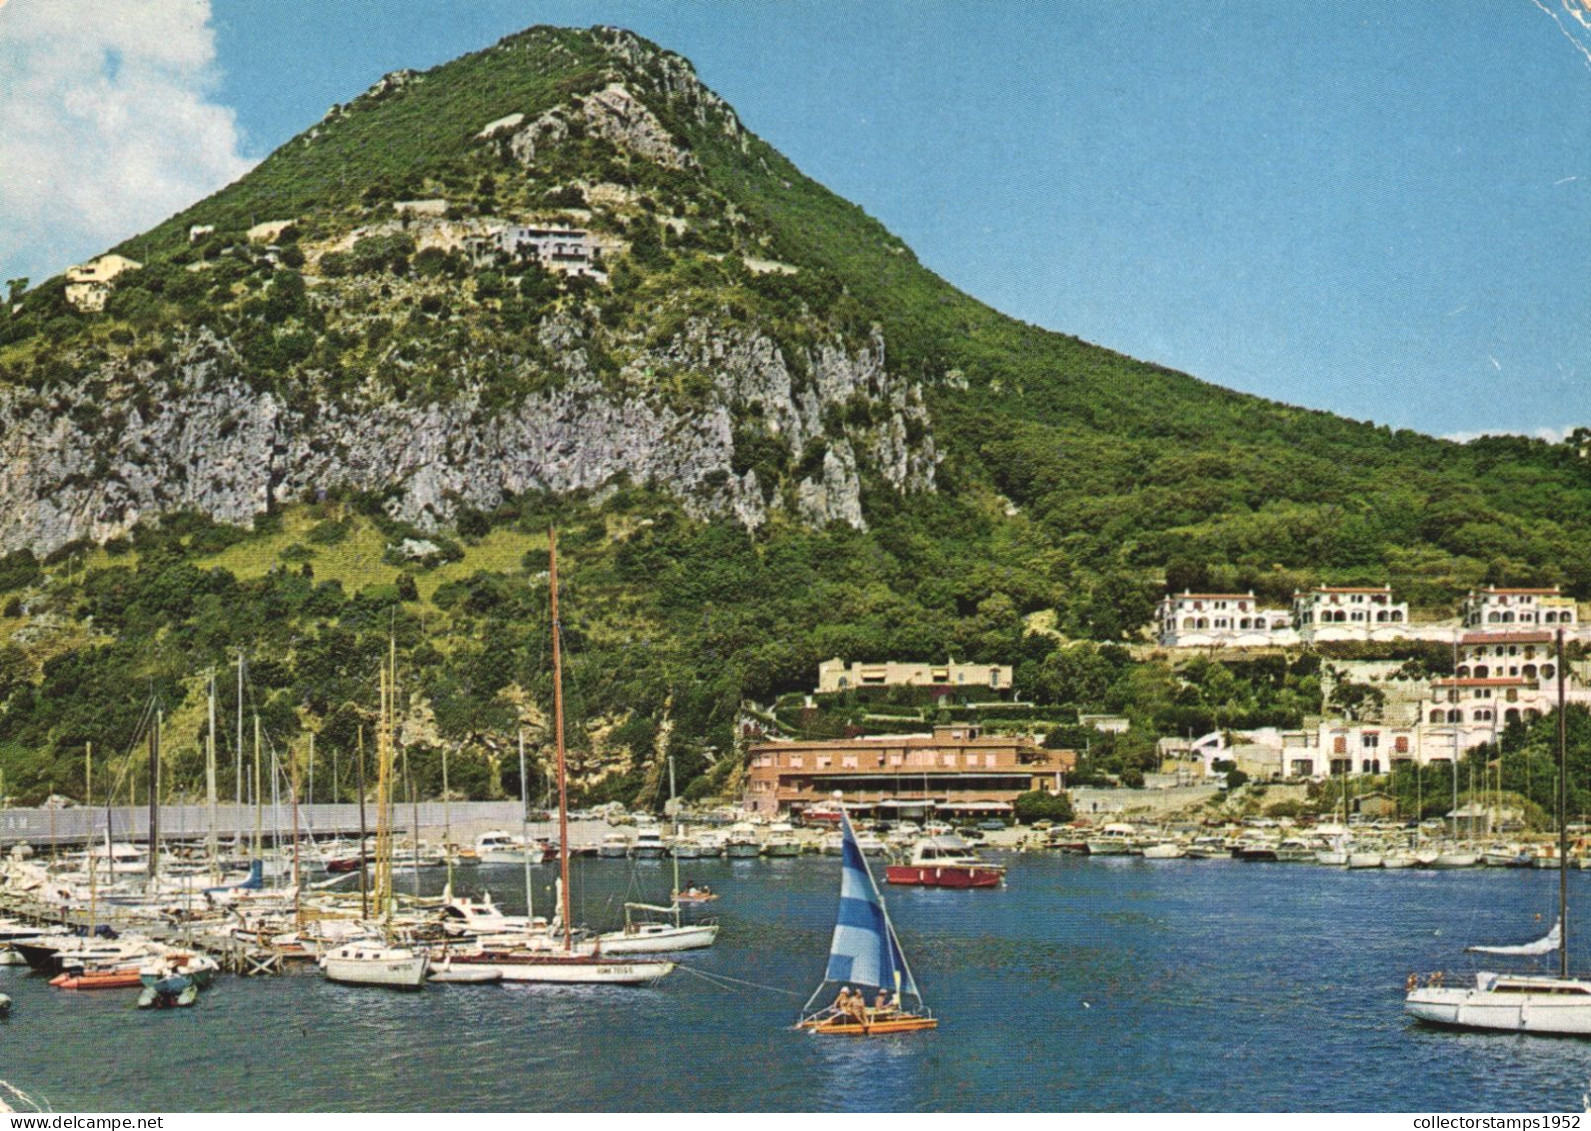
1110	984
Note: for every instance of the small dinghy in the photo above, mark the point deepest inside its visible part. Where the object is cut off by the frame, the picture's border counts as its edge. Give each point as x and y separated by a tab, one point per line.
155	998
97	980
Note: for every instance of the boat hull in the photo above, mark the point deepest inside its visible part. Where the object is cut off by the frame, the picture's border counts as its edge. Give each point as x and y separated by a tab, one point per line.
1461	1008
393	973
665	940
843	1026
944	875
570	970
98	980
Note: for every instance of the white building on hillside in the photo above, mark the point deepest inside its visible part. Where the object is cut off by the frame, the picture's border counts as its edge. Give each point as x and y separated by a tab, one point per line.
1499	610
1516	655
88	285
1349	613
1231	620
568	251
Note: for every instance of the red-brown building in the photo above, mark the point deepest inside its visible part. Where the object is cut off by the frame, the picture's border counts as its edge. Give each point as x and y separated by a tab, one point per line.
956	769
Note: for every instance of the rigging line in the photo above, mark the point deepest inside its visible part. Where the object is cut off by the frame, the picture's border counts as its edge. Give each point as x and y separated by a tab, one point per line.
716	979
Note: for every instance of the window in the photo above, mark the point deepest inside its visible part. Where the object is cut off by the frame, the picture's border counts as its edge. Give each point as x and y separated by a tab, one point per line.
1401	744
1339	745
1370	741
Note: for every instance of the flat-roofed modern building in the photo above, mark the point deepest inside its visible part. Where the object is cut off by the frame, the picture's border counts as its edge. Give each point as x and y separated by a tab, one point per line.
835	675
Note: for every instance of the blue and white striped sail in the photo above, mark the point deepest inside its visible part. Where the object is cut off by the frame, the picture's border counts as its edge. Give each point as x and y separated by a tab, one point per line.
864	950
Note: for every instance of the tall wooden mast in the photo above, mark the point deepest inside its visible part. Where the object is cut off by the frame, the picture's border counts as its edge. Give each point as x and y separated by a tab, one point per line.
557	716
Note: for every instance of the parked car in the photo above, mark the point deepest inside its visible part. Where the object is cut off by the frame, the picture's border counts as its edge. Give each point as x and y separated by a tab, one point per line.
991	825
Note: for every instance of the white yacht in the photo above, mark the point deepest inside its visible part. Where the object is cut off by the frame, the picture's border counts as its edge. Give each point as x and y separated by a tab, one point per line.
499	847
648	844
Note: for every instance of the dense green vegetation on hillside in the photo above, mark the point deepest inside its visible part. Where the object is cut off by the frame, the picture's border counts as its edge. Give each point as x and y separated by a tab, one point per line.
1074	482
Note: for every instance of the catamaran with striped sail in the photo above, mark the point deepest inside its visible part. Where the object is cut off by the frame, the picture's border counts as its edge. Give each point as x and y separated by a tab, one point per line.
878	994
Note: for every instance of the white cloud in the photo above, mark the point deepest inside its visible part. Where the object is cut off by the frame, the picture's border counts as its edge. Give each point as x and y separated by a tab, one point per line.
106	125
1551	435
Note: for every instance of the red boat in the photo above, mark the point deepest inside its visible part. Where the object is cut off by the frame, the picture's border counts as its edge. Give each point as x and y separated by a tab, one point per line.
98	980
945	862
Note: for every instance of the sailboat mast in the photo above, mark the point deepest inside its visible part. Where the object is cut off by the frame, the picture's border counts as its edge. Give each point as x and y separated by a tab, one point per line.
237	838
524	827
259	809
154	798
88	803
447	826
557	715
364	870
679	830
209	779
292	769
383	884
1563	821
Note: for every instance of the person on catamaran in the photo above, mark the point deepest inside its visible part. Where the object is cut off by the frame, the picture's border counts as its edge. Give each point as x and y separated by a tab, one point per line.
842	1001
882	1005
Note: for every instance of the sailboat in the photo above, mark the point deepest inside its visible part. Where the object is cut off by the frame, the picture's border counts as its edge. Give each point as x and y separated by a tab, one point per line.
865	953
565	961
374	962
653	937
1539	1003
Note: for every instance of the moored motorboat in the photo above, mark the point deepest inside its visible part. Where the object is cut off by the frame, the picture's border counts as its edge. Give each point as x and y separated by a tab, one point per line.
648	845
944	862
614	846
1165	850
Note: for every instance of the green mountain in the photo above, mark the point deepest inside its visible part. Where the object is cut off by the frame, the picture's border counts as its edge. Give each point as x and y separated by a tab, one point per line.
344	397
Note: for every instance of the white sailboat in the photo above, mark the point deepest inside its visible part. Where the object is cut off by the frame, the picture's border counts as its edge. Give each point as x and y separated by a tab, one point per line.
375	962
1553	1003
654	937
566	961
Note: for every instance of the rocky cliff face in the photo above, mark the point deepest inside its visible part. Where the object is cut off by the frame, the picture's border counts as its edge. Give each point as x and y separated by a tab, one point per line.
372	344
90	458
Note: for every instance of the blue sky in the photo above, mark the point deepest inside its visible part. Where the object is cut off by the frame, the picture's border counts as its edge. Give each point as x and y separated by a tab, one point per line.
1381	209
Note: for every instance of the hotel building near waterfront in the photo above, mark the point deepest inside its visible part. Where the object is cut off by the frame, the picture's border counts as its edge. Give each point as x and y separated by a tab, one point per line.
956	770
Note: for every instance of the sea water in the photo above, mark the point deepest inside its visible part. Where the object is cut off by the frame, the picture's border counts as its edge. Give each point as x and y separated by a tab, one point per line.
1113	984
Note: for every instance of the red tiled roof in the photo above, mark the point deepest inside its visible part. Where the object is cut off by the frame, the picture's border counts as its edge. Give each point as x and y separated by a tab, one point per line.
1477	682
1352	589
1494	589
1514	637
